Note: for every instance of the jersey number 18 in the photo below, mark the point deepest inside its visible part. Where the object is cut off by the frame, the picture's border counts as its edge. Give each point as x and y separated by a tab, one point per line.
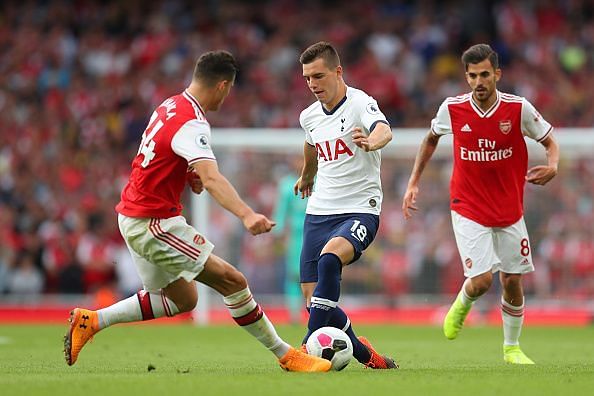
358	230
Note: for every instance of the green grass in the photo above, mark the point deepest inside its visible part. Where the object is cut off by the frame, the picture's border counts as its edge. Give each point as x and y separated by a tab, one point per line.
226	361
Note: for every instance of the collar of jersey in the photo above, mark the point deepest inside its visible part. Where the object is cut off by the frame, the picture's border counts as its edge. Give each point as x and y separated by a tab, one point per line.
194	101
490	111
335	107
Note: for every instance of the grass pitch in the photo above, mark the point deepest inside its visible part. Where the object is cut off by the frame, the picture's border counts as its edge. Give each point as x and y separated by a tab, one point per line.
225	360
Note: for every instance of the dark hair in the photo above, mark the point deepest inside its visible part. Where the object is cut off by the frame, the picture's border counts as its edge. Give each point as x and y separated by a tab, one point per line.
323	50
215	66
478	53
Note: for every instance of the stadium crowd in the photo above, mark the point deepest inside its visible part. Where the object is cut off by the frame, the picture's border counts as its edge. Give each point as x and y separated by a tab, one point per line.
78	81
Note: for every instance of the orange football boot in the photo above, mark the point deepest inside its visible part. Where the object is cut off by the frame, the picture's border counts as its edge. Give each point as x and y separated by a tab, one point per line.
84	324
295	360
377	361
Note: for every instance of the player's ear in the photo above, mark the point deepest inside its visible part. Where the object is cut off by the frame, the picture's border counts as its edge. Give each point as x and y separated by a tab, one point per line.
339	71
221	85
497	74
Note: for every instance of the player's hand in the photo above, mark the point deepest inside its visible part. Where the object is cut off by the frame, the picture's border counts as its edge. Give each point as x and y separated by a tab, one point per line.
409	201
541	174
305	187
194	182
257	223
360	139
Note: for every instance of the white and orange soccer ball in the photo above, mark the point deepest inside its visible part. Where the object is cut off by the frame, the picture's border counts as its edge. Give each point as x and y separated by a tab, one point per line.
331	344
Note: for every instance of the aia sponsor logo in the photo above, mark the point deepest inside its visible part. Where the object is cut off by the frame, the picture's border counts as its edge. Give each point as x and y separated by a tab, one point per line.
199	239
505	126
329	153
468	263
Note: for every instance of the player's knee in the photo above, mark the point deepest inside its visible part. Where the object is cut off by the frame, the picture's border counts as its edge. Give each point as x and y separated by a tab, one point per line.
510	281
186	304
235	280
329	267
481	284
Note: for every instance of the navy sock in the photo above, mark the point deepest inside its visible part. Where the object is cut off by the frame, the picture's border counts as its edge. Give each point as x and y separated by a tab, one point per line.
340	320
308	332
327	291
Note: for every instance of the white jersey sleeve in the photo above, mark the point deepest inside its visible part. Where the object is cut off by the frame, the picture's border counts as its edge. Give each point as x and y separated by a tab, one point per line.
192	142
370	113
533	125
308	137
442	123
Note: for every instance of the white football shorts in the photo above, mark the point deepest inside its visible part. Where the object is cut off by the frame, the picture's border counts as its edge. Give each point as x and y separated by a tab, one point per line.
164	250
482	249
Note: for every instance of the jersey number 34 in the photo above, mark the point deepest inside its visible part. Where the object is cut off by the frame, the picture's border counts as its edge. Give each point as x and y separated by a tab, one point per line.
147	145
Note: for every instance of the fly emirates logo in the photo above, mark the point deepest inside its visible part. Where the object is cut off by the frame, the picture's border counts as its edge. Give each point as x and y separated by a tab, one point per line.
487	152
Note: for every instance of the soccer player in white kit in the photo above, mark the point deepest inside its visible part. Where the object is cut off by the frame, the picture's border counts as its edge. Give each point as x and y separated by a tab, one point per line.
169	253
487	190
344	131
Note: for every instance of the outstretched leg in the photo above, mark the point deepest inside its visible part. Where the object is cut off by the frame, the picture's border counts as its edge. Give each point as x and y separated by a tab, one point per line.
247	313
179	296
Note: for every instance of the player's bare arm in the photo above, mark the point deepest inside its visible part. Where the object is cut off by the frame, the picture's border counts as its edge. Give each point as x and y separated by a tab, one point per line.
305	183
194	181
542	174
423	156
225	194
377	139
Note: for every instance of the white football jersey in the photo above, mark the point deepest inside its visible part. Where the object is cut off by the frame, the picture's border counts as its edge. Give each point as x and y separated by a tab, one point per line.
348	179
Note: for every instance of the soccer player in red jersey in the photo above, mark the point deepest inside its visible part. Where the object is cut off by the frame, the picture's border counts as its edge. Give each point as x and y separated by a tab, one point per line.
170	254
487	190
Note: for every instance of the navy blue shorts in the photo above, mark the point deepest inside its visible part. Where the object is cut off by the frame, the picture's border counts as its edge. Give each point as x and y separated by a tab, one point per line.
358	228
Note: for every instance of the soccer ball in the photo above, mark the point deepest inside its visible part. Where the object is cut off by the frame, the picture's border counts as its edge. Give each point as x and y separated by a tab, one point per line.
331	344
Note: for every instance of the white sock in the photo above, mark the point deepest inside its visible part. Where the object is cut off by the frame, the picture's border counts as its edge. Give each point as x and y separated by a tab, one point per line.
141	306
513	318
248	314
464	298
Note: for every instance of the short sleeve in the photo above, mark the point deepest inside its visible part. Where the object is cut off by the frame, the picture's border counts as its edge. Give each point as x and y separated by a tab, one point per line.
192	142
442	123
533	125
308	138
370	113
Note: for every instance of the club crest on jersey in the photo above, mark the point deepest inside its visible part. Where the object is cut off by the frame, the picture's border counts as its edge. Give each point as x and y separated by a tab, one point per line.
468	263
326	152
199	239
505	126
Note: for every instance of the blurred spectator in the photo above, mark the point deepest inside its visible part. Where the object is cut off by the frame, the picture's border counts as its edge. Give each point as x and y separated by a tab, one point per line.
77	80
24	278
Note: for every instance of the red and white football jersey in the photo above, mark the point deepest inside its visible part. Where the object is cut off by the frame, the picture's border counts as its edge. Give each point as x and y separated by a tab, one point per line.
490	155
177	136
